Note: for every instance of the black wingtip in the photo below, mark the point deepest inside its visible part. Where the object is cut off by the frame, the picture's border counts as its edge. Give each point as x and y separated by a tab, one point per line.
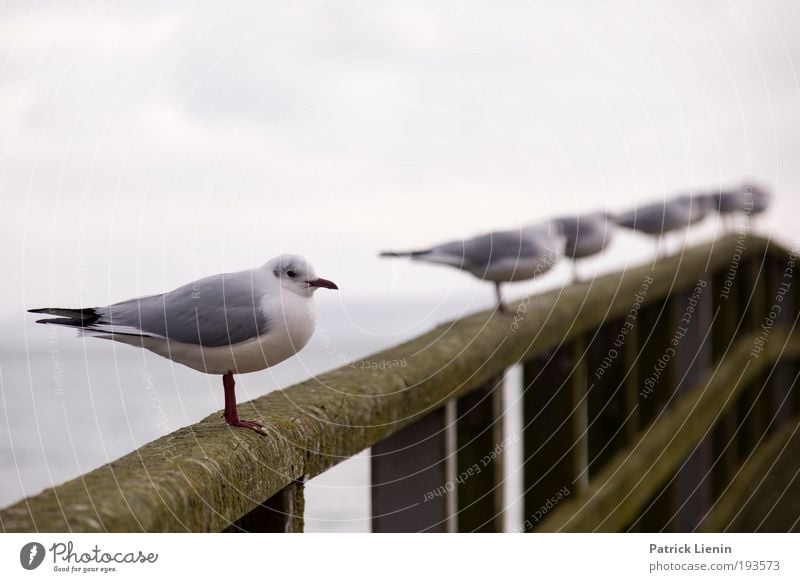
71	317
396	254
59	320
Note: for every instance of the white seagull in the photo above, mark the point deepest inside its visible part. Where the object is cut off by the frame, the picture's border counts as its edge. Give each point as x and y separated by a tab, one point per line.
659	218
748	199
586	235
223	324
501	256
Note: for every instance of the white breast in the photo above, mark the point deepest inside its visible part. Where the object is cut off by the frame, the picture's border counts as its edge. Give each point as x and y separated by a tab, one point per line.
287	334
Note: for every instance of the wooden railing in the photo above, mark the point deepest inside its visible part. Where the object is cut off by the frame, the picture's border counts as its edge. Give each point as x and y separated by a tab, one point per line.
646	395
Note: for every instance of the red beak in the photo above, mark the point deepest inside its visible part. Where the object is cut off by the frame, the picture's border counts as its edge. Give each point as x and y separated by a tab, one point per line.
322	283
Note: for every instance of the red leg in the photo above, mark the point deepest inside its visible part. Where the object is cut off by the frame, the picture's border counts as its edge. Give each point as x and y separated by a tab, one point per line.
501	308
231	415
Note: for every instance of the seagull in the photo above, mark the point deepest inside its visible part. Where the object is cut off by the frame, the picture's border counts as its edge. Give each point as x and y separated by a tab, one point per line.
729	203
586	235
660	218
229	323
747	199
700	206
500	256
761	199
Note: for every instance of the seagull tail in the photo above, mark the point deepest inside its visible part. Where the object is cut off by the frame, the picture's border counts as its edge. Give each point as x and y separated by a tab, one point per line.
411	254
70	317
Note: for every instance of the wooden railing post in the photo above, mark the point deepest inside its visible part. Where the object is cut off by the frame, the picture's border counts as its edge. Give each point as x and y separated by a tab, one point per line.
631	384
579	387
413	476
657	381
554	430
726	304
781	272
281	513
691	490
481	450
656	369
609	403
754	404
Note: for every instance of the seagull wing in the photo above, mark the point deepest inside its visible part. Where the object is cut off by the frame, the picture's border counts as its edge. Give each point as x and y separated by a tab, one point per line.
214	311
482	251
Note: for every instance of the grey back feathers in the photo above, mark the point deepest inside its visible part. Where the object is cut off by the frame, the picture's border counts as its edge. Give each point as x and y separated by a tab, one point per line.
761	199
215	311
728	202
509	255
485	249
666	216
585	235
747	198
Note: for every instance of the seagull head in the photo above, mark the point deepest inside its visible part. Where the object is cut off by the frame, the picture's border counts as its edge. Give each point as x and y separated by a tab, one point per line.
294	274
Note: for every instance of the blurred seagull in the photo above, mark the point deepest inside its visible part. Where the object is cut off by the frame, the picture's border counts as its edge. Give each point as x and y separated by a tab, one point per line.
748	199
760	198
585	235
500	257
660	218
223	324
728	203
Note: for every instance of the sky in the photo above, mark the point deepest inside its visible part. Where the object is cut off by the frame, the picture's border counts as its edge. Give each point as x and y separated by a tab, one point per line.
143	145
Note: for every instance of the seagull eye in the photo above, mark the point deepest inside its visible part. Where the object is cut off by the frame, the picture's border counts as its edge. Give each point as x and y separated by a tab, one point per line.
291	274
